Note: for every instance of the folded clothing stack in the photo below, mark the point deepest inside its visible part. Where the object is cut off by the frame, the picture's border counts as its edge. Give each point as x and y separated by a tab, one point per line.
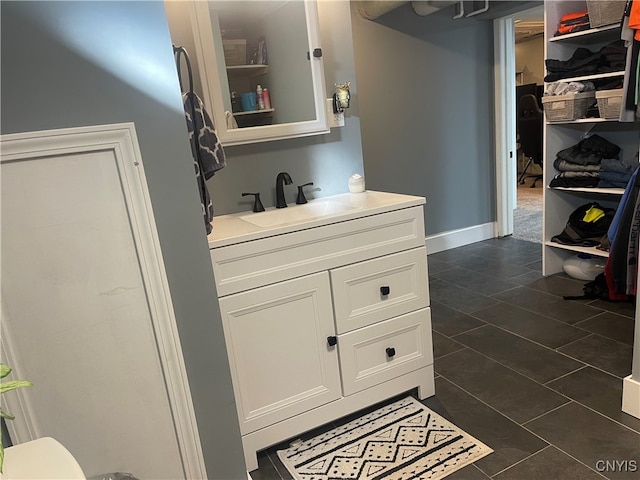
610	58
567	88
573	22
580	164
616	173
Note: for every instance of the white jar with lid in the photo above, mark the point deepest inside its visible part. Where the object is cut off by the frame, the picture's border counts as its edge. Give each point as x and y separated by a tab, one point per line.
356	183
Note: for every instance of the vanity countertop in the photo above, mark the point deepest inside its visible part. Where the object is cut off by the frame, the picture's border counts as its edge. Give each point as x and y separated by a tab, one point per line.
231	229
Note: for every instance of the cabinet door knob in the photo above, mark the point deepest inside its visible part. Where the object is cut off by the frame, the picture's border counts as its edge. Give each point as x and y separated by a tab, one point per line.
332	341
391	352
385	290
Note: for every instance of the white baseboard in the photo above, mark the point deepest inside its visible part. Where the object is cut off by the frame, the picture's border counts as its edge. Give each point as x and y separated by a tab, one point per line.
459	238
631	396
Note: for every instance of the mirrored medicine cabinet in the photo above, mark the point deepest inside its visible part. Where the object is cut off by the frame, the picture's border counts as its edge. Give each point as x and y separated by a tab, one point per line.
273	44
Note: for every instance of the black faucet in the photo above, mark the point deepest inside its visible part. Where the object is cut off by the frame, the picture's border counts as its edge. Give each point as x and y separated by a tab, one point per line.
282	179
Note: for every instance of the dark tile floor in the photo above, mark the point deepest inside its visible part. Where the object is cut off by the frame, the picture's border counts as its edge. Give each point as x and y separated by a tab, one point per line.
536	377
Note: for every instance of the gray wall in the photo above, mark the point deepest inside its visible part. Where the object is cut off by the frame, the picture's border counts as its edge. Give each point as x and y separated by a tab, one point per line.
326	160
426	106
89	63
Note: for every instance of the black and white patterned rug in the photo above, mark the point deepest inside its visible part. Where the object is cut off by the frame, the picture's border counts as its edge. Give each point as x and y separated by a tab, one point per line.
401	441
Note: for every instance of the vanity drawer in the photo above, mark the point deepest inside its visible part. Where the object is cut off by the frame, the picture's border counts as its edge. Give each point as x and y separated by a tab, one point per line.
379	289
377	353
269	260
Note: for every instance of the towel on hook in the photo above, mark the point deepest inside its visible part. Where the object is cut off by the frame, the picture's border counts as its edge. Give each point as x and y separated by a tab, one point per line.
207	150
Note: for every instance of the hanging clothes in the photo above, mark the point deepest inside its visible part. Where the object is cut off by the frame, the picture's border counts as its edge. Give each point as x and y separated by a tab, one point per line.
630	33
206	149
621	267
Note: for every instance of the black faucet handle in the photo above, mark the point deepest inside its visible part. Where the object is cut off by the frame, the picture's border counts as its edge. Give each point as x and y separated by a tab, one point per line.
301	198
257	204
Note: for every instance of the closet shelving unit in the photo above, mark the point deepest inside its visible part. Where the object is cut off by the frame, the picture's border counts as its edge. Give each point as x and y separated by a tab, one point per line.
559	203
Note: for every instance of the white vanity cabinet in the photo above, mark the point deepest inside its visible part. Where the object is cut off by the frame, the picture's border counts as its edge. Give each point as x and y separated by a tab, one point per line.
323	317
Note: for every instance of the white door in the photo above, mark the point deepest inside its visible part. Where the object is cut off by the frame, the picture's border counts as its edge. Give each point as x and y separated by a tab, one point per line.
86	312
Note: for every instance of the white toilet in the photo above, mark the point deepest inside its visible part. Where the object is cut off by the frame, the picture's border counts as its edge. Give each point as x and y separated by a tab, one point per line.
41	458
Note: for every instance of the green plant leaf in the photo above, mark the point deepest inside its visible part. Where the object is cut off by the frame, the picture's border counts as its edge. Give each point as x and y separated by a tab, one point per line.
1	456
13	384
4	370
6	415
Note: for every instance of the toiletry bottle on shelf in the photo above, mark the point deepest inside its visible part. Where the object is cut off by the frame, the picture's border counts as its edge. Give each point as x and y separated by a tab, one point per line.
235	103
260	98
266	98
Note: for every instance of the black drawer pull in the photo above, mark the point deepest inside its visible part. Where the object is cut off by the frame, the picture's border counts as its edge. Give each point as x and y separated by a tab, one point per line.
332	341
391	352
385	290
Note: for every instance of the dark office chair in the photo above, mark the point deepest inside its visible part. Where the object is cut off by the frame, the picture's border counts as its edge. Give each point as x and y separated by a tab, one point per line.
529	127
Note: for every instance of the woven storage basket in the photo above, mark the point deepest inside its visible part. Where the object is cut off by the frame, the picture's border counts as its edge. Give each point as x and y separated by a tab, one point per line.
562	108
605	12
235	52
609	103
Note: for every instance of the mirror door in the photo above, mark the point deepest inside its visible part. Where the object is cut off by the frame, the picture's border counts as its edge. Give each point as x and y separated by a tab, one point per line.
260	66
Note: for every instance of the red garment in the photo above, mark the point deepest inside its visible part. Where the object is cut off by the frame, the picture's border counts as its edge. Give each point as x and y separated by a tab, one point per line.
634	18
613	295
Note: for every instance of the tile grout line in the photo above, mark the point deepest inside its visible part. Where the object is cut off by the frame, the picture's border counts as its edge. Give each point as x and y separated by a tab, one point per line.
526	339
524	459
521	426
545	385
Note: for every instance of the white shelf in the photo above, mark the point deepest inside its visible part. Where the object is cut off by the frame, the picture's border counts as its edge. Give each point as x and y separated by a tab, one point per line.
575	248
253	112
590	34
246	71
596	190
597	76
583	120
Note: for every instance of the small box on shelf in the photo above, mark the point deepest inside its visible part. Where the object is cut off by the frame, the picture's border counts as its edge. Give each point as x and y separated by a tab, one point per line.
605	12
565	108
235	52
609	103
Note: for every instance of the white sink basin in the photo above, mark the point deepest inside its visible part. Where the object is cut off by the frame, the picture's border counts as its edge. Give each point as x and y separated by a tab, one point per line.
297	213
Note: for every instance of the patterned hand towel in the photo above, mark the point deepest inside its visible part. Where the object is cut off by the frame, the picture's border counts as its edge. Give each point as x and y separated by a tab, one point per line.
207	151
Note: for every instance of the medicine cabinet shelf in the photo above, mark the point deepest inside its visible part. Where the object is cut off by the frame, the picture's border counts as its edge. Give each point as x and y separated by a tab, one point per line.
247	71
253	112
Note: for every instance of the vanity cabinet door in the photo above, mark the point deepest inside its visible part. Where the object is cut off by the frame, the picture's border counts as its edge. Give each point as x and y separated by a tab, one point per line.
281	362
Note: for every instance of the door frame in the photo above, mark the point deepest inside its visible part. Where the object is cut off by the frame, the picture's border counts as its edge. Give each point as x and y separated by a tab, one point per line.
505	129
505	117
